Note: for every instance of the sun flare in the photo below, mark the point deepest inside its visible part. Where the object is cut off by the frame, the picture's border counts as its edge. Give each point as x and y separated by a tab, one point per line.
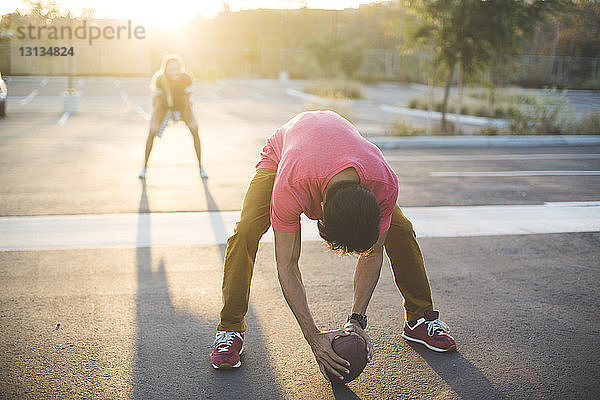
173	13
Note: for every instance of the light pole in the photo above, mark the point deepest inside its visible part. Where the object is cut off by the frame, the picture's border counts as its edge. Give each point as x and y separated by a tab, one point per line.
71	95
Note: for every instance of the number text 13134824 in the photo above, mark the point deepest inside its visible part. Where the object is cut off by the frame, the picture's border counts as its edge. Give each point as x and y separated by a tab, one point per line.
46	51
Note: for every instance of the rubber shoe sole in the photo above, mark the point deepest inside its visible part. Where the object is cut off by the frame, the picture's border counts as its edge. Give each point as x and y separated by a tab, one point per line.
428	345
229	366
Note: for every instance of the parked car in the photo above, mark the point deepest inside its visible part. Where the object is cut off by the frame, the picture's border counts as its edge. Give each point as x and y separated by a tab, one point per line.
3	94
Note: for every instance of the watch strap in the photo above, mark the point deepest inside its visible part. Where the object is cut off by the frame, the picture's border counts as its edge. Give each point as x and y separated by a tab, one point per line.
360	318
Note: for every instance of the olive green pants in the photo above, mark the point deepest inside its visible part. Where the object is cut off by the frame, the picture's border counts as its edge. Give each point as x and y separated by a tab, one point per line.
401	248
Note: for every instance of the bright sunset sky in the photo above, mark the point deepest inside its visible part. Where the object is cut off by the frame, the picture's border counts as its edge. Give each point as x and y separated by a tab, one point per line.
177	12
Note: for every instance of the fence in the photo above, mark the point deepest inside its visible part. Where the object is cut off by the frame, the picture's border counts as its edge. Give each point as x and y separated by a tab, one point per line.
378	64
574	72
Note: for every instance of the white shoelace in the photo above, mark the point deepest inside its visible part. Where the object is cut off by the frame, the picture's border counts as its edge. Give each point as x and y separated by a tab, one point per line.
436	325
224	340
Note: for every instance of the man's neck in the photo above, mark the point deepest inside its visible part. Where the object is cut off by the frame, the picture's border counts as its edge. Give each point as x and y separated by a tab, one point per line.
347	175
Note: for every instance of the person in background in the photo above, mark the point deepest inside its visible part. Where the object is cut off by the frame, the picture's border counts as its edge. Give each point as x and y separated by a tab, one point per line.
172	87
3	95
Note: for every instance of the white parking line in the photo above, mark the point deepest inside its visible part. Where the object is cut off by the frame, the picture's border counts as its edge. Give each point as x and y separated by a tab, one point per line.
63	118
573	204
29	97
196	228
127	100
306	96
512	173
491	157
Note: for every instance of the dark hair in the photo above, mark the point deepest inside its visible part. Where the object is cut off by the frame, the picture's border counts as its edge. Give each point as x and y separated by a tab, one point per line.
350	222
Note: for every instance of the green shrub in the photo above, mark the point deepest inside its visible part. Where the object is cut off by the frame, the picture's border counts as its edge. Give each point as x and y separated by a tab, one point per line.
478	95
499	112
400	127
336	89
549	115
526	99
588	125
488	131
481	111
590	84
512	111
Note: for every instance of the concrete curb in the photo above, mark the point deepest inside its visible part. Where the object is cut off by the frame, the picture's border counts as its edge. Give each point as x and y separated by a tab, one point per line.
385	142
194	228
471	120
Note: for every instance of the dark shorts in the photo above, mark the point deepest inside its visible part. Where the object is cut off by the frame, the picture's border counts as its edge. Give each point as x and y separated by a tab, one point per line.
162	115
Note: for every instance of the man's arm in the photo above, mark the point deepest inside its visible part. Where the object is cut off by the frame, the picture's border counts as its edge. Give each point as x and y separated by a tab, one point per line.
287	253
366	276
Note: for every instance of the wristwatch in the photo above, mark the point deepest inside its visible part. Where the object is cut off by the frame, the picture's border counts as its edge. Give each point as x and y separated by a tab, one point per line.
361	319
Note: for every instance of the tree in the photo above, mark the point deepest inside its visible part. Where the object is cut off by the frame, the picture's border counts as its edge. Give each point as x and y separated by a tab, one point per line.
350	57
337	54
471	34
572	34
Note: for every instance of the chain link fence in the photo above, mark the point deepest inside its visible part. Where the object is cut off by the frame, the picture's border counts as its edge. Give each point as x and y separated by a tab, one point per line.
377	64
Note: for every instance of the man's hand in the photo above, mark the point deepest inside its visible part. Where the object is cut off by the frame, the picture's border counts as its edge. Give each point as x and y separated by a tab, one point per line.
353	326
327	359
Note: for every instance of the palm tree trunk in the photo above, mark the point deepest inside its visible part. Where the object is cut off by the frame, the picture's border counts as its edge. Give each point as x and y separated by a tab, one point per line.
457	126
445	101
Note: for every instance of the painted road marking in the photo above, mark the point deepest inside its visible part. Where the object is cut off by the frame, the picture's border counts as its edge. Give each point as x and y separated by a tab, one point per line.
29	97
199	228
127	100
573	204
306	96
63	118
513	173
492	157
389	142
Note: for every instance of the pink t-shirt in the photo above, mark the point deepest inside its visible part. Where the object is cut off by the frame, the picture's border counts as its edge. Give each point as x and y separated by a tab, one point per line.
307	152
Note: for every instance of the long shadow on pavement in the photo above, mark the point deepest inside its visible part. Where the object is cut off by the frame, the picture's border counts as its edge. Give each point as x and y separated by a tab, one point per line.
343	392
172	345
459	373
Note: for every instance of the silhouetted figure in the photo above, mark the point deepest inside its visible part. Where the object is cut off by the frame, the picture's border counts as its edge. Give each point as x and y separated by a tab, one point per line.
172	87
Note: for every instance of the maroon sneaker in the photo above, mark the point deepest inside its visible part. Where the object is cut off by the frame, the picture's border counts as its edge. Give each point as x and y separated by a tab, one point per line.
431	332
227	349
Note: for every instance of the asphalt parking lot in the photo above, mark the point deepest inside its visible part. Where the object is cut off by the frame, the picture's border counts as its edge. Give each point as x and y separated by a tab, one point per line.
137	320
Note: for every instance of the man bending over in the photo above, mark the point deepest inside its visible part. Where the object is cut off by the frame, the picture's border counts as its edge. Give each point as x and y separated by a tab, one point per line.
319	164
